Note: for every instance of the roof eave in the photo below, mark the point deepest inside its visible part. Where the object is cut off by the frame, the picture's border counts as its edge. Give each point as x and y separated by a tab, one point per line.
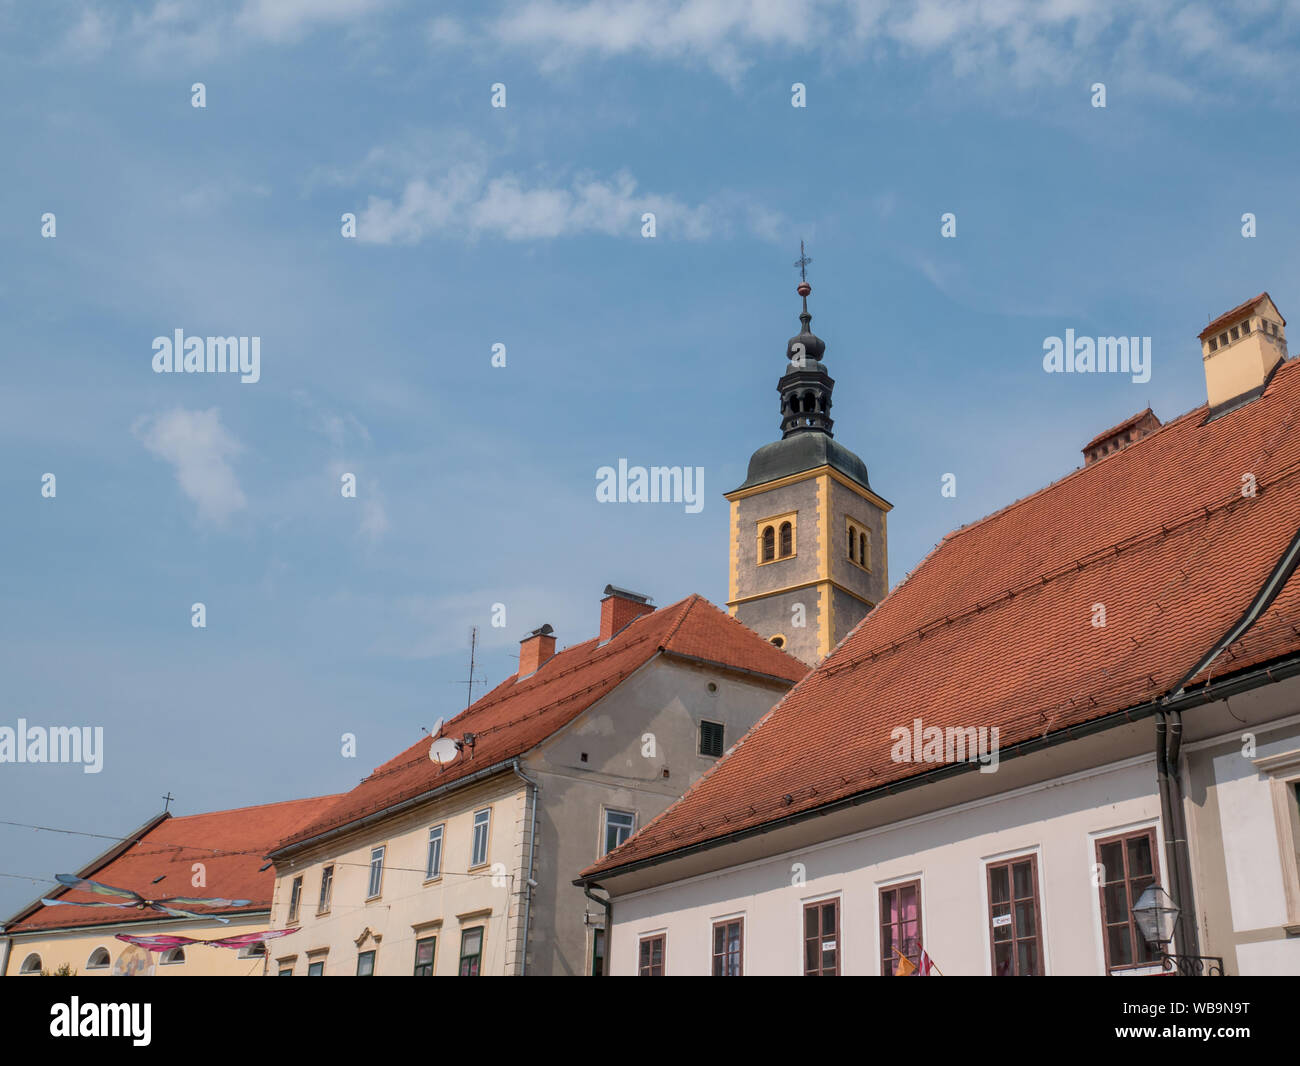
98	862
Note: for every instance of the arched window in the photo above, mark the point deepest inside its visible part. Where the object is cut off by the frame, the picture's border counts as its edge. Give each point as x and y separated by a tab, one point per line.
809	402
98	959
769	544
787	539
172	955
853	546
31	965
864	550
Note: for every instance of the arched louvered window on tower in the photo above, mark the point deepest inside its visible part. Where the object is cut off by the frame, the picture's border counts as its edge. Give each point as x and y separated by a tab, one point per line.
787	539
768	551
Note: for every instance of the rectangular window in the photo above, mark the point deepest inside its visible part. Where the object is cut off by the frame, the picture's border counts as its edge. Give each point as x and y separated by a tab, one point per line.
1214	344
711	739
1234	332
598	953
728	953
326	889
424	954
821	939
651	960
433	862
366	964
900	926
618	827
295	899
1015	931
285	971
479	852
376	872
471	951
316	969
1128	867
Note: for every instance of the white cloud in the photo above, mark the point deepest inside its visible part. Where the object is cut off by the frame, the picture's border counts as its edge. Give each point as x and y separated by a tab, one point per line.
287	20
465	201
198	29
374	516
199	448
1025	41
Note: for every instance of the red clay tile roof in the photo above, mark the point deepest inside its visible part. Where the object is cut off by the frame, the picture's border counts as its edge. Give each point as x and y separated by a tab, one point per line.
516	716
995	626
231	844
1132	420
1229	316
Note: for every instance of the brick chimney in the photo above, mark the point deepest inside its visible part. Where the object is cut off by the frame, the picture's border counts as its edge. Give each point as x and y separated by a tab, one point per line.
535	649
1241	349
618	608
1131	429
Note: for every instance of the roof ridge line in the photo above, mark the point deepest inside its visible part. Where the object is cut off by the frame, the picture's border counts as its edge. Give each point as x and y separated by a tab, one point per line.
1076	472
600	652
690	603
915	632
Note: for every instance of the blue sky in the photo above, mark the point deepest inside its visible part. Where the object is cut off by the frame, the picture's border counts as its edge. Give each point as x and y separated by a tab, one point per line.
522	226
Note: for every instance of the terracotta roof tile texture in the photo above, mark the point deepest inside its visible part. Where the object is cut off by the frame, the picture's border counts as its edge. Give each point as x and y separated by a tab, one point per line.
231	845
995	627
517	715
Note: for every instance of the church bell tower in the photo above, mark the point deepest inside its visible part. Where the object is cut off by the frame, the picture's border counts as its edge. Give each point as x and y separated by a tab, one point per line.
808	556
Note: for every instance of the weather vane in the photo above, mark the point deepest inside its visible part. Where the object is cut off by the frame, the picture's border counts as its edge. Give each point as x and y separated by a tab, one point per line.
802	262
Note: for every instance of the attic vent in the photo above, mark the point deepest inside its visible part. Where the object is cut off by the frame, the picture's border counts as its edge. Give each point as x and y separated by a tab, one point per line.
1121	436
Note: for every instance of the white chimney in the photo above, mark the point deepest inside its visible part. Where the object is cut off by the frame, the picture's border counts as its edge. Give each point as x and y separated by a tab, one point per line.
1241	349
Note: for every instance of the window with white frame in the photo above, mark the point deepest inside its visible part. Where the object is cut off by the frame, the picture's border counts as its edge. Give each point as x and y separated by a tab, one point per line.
295	899
1283	774
479	849
326	889
618	827
376	872
433	860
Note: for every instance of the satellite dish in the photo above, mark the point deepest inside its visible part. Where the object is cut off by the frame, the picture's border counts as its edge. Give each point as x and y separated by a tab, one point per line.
443	751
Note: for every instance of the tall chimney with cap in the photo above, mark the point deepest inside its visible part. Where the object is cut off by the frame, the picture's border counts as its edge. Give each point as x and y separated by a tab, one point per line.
535	649
618	608
1241	349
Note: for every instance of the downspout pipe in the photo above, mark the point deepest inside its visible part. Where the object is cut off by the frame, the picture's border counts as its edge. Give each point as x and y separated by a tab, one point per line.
608	904
1168	820
1186	901
532	851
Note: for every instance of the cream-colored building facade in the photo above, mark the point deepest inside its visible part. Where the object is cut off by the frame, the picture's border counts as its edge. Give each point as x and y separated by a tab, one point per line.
476	877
